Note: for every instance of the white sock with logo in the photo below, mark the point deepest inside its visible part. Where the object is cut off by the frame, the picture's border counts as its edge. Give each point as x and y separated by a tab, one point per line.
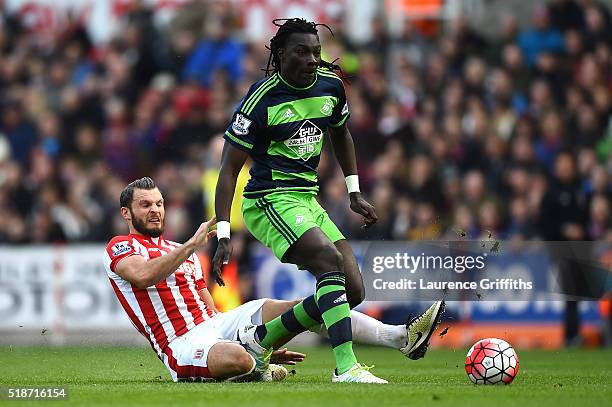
370	331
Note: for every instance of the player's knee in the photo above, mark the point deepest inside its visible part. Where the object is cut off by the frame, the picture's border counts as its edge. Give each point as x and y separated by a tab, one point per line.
333	258
229	360
338	258
242	363
326	259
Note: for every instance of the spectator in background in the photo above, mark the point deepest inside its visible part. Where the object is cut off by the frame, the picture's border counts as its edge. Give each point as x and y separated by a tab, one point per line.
49	134
566	14
563	213
119	150
380	40
513	63
563	217
597	26
552	140
463	224
521	221
426	222
540	37
474	190
218	51
20	132
508	33
600	218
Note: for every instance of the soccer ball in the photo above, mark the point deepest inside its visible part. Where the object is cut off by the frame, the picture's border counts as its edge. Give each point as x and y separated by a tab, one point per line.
491	361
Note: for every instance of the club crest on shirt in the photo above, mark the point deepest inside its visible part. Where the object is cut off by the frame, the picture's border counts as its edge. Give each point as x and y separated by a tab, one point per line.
306	140
241	125
327	107
120	248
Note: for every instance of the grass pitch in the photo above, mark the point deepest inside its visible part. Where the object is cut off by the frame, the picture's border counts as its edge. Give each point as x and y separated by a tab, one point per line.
135	377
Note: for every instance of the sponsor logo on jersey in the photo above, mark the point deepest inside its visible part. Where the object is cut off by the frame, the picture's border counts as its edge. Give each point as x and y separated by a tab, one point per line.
241	125
327	107
345	109
306	140
120	248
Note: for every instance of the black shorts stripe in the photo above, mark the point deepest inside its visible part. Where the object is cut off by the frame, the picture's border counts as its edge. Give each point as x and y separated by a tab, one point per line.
291	323
270	215
273	223
340	332
312	309
288	234
280	219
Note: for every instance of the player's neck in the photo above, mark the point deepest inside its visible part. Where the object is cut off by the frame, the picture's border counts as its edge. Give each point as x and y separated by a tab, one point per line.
286	79
134	232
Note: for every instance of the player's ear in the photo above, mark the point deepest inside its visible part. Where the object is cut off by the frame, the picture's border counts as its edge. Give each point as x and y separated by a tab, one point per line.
125	213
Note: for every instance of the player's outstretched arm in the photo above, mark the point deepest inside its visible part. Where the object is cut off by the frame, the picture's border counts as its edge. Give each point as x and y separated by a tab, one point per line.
144	273
344	150
232	160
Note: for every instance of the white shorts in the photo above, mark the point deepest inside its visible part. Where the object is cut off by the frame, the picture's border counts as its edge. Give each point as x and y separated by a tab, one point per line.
187	355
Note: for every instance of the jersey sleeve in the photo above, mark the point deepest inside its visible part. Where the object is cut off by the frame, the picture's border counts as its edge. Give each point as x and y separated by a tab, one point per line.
341	112
199	274
245	123
119	248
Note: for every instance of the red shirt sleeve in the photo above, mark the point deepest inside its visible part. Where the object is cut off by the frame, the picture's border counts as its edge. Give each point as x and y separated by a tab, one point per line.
119	248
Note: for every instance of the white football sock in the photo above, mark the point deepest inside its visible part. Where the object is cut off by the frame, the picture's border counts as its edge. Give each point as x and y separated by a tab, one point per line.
370	331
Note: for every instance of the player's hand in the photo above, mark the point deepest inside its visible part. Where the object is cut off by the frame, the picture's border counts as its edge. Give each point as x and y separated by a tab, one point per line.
286	357
363	207
222	256
201	236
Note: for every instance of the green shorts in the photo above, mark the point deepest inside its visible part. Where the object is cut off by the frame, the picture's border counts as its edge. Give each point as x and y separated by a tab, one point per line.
280	218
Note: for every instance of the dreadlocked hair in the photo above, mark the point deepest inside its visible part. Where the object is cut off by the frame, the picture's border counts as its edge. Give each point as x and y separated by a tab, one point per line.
288	26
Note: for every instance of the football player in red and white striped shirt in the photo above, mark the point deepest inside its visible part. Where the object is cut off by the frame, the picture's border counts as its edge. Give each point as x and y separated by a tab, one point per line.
161	287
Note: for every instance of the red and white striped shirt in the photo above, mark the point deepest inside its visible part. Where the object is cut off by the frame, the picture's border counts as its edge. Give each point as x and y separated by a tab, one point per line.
168	309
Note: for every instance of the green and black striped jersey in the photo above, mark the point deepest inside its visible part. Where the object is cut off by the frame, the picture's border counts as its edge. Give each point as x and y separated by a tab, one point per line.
282	129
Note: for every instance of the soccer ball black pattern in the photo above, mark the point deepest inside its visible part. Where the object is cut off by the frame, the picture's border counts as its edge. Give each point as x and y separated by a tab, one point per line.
491	361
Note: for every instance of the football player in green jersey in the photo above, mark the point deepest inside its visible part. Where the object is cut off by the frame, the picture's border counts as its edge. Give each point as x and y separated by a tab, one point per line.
280	124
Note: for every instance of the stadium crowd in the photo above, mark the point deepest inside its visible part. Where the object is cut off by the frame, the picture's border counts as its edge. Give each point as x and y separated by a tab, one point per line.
457	133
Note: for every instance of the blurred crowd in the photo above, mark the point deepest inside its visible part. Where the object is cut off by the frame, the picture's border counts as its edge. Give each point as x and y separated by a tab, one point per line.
457	133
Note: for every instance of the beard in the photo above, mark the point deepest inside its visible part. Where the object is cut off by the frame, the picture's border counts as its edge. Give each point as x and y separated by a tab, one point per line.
141	227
